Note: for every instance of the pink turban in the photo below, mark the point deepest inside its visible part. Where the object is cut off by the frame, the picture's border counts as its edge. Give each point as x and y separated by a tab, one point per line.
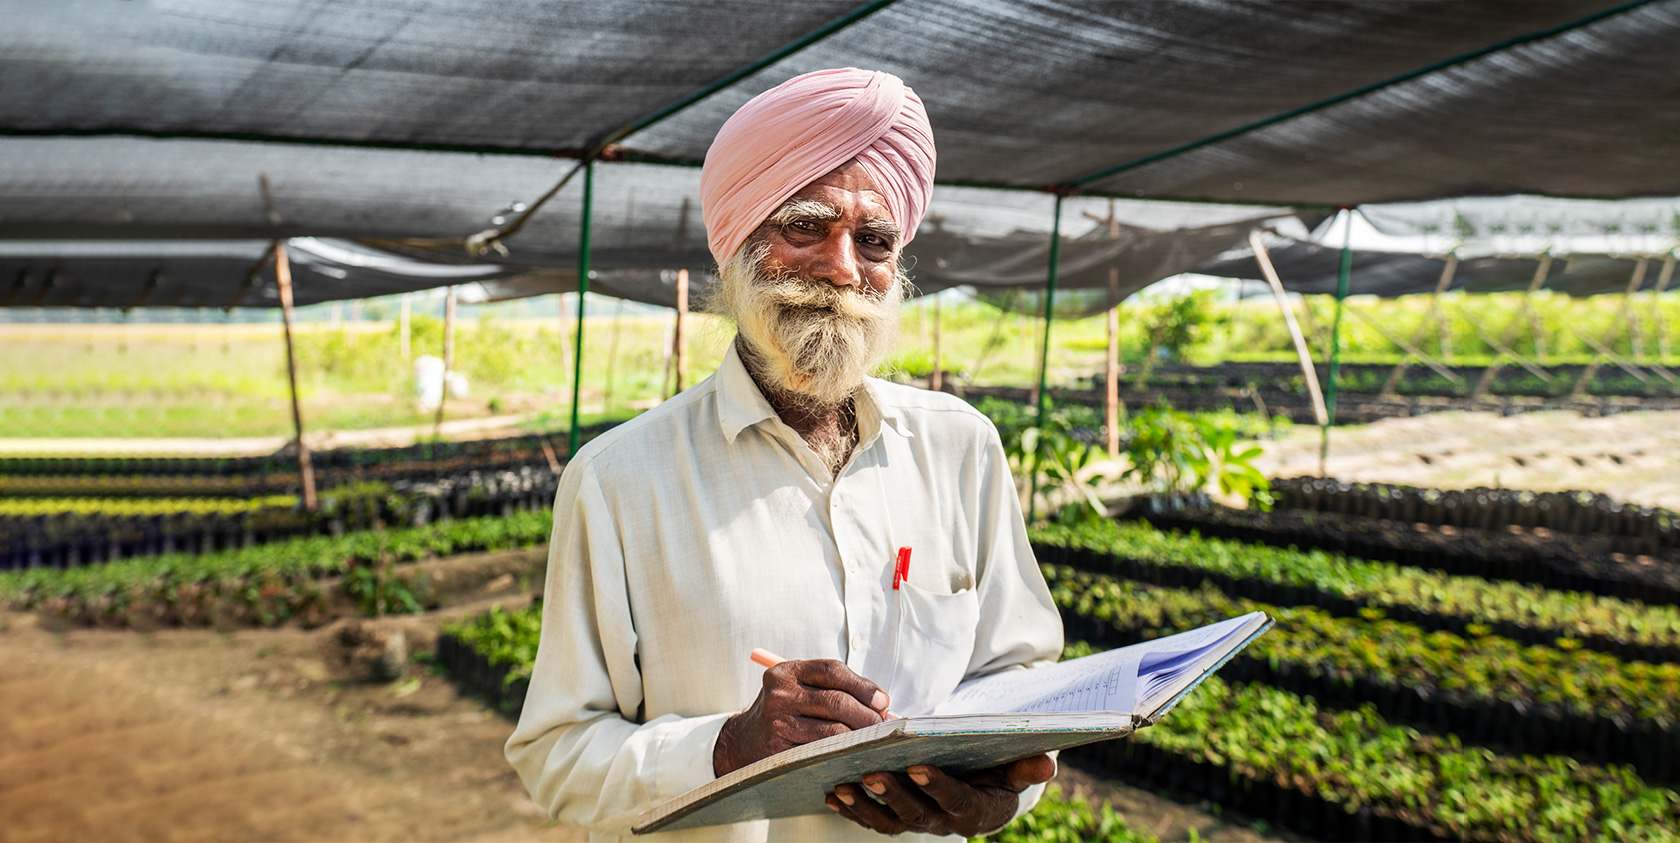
801	130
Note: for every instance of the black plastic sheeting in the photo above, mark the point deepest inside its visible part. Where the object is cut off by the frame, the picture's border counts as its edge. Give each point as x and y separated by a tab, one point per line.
1020	93
646	223
393	121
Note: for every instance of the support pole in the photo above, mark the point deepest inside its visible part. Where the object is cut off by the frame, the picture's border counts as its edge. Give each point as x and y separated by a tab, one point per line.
403	329
936	381
448	357
283	277
1111	368
574	436
1309	374
1636	344
1658	324
1044	358
679	339
612	355
1111	362
1336	341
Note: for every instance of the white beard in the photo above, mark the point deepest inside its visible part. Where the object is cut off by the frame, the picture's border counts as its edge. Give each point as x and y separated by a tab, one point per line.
811	340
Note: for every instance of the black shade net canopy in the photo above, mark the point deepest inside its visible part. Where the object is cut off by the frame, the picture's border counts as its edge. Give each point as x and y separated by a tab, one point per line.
150	149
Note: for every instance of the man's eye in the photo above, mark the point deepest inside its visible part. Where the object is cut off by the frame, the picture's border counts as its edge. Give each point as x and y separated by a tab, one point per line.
803	225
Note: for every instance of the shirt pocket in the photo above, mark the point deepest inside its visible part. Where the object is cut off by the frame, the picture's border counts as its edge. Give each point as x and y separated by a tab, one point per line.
935	642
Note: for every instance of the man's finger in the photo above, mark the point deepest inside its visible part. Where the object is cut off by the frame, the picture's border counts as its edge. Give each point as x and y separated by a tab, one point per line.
955	797
859	808
798	730
1016	776
907	803
828	673
828	704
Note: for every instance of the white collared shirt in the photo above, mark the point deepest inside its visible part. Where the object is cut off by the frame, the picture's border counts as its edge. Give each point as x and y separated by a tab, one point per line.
706	527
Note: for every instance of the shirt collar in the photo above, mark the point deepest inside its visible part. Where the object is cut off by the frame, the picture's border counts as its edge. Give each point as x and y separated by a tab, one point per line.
741	405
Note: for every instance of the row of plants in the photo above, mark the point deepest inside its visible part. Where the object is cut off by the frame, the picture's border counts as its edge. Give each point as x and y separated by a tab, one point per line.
279	482
124	529
1351	775
1349	587
480	452
1553	560
1370	378
1650	529
1485	688
140	507
493	653
261	585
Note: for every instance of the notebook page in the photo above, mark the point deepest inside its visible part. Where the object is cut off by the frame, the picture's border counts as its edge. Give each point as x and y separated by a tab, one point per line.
1107	681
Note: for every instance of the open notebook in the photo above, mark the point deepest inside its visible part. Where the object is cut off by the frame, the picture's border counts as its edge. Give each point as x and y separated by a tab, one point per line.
985	722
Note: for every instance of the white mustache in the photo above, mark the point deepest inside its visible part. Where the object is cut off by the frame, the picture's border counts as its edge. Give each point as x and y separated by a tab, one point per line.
815	339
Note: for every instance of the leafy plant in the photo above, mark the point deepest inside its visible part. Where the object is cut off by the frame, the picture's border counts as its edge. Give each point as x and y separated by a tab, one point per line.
1060	819
1173	452
503	637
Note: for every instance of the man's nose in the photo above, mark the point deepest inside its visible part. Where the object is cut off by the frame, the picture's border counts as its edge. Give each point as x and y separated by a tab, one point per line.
837	261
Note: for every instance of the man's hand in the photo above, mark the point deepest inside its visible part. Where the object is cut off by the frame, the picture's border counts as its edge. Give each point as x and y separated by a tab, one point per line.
801	701
927	800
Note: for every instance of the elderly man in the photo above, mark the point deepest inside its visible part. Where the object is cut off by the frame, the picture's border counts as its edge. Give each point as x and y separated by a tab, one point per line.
765	507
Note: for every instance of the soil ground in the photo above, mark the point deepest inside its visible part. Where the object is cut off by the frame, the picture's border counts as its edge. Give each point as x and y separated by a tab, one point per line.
1633	457
196	735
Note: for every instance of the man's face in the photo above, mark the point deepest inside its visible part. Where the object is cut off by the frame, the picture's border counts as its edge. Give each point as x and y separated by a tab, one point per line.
835	230
815	291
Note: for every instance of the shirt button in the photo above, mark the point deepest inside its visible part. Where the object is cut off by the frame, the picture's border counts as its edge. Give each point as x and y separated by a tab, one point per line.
857	641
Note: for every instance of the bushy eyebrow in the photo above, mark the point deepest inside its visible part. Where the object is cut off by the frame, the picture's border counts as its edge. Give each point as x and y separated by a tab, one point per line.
795	210
816	210
884	228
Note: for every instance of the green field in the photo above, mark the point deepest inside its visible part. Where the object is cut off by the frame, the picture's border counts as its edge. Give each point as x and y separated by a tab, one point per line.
214	380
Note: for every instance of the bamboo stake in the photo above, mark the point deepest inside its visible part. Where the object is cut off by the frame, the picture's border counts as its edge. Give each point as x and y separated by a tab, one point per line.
936	381
1262	257
407	303
679	340
448	357
612	354
1658	324
1636	344
283	276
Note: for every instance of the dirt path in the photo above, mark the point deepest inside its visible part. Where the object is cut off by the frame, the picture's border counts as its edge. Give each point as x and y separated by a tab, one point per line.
1630	456
263	734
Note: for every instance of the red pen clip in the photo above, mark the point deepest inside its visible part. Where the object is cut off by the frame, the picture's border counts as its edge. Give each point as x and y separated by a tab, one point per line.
901	572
